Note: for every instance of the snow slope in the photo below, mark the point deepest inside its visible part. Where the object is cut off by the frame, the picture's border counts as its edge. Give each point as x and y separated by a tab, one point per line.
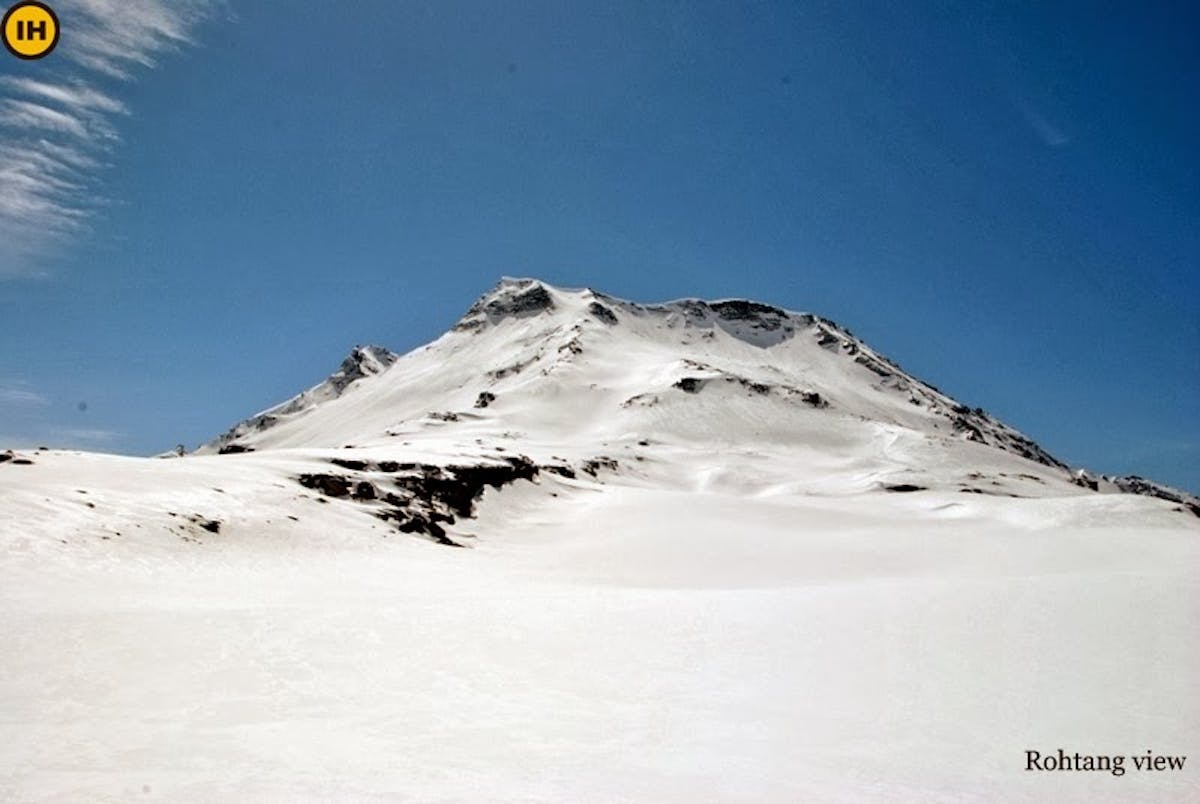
719	552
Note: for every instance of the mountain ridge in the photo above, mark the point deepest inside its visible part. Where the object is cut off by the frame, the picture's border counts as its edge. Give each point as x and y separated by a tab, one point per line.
581	368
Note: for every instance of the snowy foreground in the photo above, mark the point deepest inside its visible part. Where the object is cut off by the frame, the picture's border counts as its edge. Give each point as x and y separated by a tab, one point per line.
719	591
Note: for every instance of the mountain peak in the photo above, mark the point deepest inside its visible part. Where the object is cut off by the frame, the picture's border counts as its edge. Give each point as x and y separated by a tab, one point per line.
584	371
511	297
362	362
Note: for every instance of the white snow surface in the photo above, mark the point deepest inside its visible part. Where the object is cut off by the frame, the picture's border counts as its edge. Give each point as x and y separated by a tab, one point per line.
706	592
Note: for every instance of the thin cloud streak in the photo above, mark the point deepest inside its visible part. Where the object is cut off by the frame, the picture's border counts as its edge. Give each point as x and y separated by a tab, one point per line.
20	394
59	129
1049	133
75	435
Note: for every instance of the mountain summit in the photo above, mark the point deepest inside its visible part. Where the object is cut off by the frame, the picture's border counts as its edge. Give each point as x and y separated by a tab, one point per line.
575	372
560	396
571	365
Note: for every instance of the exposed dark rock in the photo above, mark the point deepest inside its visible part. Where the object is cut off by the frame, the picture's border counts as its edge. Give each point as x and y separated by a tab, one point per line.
457	487
594	465
484	399
573	346
426	497
602	313
641	400
363	361
872	364
756	387
905	487
443	416
973	433
21	462
6	456
742	310
329	485
515	368
210	525
814	399
514	299
693	309
563	471
469	325
347	463
234	449
826	338
690	385
1133	484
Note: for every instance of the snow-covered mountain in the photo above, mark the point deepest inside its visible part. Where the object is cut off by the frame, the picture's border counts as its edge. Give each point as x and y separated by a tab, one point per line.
719	551
576	372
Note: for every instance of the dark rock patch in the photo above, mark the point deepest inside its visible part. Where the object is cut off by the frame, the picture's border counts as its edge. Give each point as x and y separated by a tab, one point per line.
871	364
363	361
533	299
329	485
641	400
742	310
905	487
1133	484
973	433
755	387
515	368
602	313
594	465
814	399
424	497
484	399
691	385
347	463
234	449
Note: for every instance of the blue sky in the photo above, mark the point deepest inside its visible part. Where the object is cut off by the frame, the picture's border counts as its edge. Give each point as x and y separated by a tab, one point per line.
204	205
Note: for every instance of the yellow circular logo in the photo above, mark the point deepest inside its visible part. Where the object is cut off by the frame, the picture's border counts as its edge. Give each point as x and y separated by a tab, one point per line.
30	30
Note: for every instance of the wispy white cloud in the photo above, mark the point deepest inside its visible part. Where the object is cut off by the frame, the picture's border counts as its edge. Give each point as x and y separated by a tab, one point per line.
19	393
1048	132
76	435
58	129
